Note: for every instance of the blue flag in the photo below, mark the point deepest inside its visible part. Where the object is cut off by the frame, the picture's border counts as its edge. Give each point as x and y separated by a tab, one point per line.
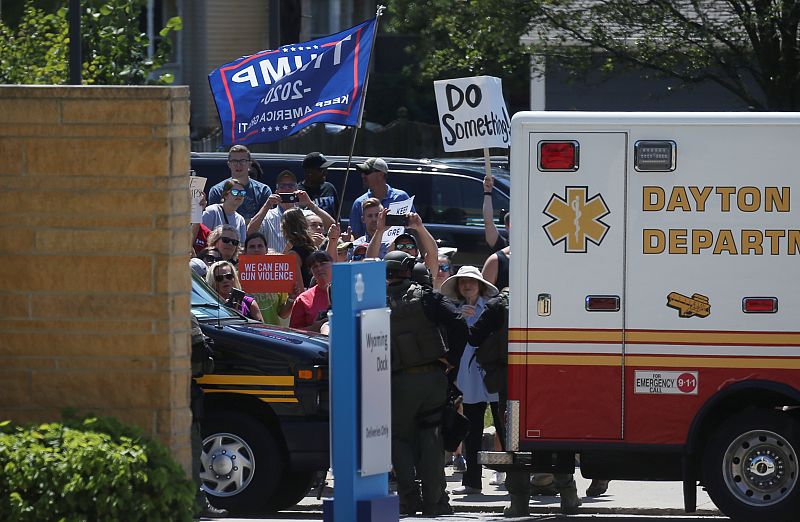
273	94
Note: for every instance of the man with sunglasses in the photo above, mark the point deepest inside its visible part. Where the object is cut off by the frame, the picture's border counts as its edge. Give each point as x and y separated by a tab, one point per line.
374	172
256	193
407	242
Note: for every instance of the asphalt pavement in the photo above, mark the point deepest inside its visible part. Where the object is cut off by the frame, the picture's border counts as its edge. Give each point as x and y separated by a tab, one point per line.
624	501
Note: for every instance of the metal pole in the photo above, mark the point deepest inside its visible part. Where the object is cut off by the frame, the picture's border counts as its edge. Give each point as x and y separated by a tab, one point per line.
74	42
361	109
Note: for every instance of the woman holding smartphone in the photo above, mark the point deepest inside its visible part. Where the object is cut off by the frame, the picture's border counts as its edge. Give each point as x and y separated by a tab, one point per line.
471	291
222	277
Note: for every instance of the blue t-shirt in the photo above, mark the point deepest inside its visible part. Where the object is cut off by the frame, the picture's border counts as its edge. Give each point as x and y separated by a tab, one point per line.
257	195
392	195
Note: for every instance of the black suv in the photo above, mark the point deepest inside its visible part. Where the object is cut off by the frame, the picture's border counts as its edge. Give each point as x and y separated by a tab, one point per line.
448	193
265	430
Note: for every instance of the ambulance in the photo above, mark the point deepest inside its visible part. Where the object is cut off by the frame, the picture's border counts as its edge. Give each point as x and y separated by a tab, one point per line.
654	326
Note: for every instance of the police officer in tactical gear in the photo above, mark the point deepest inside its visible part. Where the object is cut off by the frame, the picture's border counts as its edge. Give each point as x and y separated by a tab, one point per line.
419	384
202	363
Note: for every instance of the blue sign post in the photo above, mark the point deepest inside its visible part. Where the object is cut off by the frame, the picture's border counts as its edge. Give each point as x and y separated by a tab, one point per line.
356	287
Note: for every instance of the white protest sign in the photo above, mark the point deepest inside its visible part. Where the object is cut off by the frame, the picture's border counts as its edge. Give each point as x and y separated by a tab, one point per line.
397	208
376	392
196	185
472	113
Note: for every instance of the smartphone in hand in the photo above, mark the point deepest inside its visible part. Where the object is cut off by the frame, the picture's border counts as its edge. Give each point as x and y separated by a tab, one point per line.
288	197
236	297
396	220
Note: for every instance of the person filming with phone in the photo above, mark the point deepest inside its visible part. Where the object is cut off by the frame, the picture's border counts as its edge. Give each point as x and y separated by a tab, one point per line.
222	277
286	196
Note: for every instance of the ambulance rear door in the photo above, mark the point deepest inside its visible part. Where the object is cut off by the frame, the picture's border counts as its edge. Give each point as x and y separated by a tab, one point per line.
574	335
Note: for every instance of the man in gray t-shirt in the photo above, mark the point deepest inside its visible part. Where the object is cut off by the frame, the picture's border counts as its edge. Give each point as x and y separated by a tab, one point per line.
257	193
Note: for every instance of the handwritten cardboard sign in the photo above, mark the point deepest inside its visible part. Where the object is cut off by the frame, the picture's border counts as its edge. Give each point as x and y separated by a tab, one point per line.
263	274
196	184
472	113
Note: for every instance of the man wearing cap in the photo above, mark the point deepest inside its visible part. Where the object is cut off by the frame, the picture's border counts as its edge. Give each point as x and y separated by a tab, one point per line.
256	193
419	384
321	192
268	219
374	172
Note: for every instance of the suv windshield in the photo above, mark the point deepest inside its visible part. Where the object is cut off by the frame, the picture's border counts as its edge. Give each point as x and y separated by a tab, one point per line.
205	304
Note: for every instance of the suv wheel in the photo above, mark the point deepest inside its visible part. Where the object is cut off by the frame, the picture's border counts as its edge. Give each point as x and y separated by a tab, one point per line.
241	464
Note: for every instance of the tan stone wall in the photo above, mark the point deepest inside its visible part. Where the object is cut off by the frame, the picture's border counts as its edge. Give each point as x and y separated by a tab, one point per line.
94	284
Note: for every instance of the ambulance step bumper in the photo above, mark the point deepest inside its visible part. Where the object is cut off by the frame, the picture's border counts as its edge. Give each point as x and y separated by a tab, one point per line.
512	459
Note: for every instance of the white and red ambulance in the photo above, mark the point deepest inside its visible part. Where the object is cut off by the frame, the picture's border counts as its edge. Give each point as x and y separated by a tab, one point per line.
654	321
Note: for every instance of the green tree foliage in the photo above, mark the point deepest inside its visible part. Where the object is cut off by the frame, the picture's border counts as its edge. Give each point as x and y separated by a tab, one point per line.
749	47
114	49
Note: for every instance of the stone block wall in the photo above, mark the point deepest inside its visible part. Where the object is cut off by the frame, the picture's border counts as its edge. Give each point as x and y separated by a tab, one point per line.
94	243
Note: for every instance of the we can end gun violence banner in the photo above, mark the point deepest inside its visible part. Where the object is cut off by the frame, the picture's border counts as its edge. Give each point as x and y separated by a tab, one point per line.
273	94
268	274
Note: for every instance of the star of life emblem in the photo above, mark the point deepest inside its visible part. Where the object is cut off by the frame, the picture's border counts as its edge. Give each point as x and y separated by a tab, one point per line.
576	219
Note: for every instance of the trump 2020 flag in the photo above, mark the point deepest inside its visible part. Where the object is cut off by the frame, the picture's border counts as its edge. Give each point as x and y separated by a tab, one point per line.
273	94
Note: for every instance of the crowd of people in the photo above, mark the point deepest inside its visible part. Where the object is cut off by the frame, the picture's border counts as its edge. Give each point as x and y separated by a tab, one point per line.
441	320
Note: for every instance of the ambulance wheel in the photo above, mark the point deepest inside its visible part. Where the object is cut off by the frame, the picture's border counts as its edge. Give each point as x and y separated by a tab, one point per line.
750	466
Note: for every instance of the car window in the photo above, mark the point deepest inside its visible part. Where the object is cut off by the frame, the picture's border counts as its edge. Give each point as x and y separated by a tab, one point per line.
417	184
205	304
457	200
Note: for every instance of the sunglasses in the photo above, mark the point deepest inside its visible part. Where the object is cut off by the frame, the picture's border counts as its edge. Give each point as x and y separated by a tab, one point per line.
405	246
444	268
229	241
238	192
227	276
211	259
358	257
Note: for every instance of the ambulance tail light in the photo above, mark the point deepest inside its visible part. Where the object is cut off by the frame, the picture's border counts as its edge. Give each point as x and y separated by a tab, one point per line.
602	303
760	305
558	156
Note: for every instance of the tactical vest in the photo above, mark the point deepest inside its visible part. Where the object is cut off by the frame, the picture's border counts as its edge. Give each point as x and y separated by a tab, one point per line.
492	354
416	339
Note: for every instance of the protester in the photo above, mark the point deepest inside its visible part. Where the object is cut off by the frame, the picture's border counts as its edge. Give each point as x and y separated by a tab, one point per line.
406	241
445	266
275	306
374	173
316	228
471	291
256	193
321	192
372	209
268	219
223	279
295	230
225	239
311	307
225	213
496	268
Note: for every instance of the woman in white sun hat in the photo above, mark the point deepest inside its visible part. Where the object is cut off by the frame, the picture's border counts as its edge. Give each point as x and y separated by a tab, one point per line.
471	290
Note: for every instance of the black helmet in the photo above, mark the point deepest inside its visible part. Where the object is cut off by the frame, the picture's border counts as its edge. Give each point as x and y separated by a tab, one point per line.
399	264
422	275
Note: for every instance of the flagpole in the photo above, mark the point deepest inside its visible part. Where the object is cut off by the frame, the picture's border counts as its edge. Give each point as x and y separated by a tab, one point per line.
378	15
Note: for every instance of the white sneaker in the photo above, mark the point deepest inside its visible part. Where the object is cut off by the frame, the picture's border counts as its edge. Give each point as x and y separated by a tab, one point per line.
498	479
